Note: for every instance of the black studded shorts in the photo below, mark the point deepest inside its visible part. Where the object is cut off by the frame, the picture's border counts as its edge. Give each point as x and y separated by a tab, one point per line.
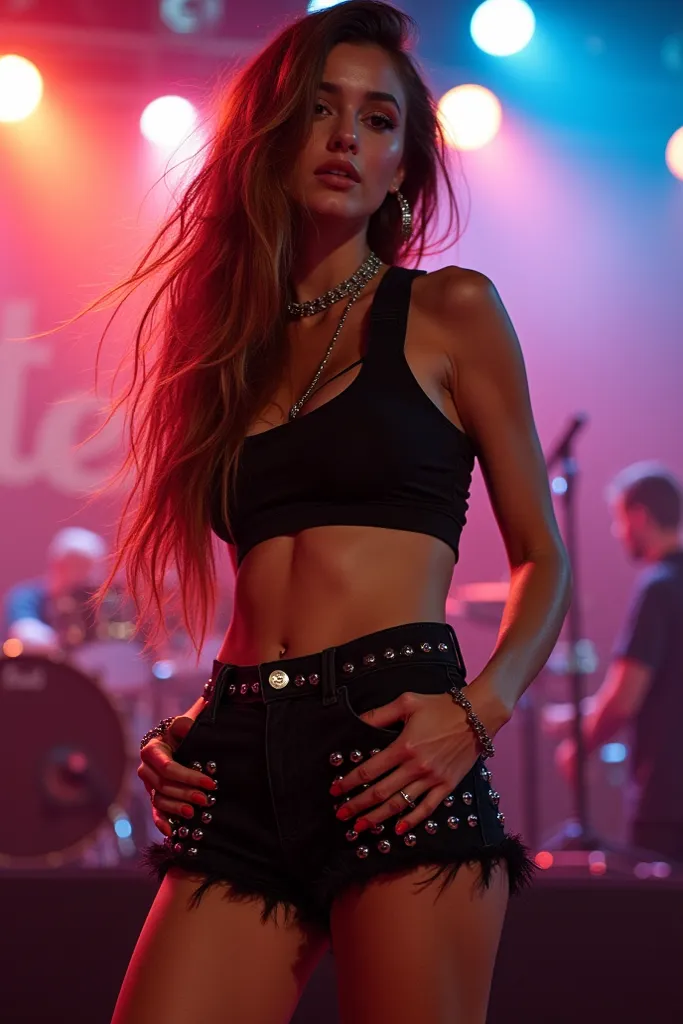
277	734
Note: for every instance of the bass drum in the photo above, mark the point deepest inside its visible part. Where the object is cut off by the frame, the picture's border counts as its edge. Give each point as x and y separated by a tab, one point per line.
65	747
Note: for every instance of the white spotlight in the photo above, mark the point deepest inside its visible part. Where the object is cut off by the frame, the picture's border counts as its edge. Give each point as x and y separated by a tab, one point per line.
168	120
502	27
470	116
322	5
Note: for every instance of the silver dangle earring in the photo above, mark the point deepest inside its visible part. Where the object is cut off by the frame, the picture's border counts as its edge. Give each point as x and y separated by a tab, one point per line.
406	215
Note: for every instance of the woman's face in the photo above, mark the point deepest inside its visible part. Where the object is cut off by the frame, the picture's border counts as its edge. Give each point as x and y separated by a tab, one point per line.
354	152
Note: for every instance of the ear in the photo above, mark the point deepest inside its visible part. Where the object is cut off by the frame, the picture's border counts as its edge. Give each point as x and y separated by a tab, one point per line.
397	180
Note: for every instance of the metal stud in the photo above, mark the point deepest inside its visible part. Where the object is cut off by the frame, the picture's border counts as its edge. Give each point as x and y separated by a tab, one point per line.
178	848
494	797
211	767
348	667
211	799
467	798
336	759
453	822
232	689
366	785
377	829
193	851
299	680
314	679
425	648
208	691
356	756
362	852
389	654
443	647
197	835
410	839
501	818
244	688
278	679
384	846
197	767
449	801
407	651
255	687
215	784
485	773
352	835
183	832
431	827
472	820
207	817
338	778
369	659
375	750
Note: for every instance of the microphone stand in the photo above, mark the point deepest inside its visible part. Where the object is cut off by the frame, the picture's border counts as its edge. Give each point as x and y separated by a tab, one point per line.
576	834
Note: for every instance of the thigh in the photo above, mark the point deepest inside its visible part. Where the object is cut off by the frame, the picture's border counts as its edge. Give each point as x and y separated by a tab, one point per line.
217	962
408	954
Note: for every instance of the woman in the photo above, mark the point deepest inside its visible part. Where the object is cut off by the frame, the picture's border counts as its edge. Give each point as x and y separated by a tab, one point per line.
320	408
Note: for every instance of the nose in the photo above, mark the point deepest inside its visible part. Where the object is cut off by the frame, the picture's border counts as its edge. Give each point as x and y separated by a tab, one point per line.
344	141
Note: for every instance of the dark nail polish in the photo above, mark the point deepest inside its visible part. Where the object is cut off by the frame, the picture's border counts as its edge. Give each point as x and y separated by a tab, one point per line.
188	812
343	813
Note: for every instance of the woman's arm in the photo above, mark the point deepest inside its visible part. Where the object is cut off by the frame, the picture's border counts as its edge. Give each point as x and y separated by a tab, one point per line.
490	392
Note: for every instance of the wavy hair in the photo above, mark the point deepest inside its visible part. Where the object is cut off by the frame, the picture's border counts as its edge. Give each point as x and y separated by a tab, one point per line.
209	346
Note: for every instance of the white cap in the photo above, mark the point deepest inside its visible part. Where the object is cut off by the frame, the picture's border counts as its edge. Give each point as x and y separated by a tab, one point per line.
77	540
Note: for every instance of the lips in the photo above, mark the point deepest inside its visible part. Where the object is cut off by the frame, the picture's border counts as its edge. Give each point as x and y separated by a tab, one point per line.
340	168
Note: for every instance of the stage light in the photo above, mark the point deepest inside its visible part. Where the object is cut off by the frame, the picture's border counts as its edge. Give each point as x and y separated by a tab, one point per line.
167	121
188	16
544	860
21	88
559	485
12	647
674	154
322	5
470	116
613	753
502	27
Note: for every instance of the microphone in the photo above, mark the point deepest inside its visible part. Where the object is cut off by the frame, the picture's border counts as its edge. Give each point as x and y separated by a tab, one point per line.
560	449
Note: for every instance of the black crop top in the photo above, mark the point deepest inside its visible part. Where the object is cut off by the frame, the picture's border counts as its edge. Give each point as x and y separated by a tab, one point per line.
378	454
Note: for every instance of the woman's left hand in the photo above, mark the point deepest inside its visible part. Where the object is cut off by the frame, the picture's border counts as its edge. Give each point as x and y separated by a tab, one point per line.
432	754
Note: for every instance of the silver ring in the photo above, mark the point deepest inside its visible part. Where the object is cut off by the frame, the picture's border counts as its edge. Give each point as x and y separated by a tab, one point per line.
411	803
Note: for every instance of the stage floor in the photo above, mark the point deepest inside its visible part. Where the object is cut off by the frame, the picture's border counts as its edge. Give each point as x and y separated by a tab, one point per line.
594	951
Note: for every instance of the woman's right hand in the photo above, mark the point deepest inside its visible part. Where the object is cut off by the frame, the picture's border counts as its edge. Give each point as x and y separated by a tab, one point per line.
175	791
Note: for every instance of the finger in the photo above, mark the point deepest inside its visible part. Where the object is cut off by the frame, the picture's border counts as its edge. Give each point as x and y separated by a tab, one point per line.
376	765
379	792
424	809
161	823
158	757
395	711
173	808
394	806
183	794
149	778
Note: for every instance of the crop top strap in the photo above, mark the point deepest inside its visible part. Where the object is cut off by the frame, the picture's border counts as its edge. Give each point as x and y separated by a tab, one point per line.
389	313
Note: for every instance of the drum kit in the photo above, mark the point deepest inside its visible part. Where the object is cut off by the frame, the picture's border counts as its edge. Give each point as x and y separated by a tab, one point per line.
72	720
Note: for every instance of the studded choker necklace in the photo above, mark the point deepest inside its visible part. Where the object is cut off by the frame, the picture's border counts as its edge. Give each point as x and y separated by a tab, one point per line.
367	270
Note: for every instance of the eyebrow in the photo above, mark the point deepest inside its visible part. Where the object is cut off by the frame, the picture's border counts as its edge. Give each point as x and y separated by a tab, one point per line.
372	95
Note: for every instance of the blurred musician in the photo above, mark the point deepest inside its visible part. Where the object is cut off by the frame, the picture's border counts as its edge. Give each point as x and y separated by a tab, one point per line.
643	687
52	613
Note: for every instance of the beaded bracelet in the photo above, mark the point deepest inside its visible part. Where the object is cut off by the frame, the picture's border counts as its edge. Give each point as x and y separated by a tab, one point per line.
158	730
488	749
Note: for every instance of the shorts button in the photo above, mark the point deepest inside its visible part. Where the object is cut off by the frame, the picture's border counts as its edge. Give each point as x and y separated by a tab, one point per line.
278	679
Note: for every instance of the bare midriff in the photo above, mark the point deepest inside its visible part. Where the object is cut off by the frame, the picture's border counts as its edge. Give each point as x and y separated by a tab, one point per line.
327	585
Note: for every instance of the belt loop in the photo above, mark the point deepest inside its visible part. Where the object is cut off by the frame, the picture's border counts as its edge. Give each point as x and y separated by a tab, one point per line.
327	671
458	652
219	684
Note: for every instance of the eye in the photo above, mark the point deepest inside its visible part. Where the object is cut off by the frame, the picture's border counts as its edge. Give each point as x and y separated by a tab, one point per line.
385	124
321	108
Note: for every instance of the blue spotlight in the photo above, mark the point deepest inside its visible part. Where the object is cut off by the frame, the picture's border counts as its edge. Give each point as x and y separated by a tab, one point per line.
123	828
502	27
322	5
613	753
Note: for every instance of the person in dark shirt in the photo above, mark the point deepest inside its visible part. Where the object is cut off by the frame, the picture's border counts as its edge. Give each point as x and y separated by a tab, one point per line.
644	683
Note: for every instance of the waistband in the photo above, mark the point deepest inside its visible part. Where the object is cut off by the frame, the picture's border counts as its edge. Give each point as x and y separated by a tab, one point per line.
418	643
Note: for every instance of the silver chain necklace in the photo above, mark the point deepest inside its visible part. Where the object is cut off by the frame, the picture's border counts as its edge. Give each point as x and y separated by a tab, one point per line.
377	263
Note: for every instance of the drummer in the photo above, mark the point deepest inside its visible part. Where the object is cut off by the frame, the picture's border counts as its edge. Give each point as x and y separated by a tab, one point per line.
51	613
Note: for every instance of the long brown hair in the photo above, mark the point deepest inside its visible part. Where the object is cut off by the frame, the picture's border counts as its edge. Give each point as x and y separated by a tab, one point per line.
209	347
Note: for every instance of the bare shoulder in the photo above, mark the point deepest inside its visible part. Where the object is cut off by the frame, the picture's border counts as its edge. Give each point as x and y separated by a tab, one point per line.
465	310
